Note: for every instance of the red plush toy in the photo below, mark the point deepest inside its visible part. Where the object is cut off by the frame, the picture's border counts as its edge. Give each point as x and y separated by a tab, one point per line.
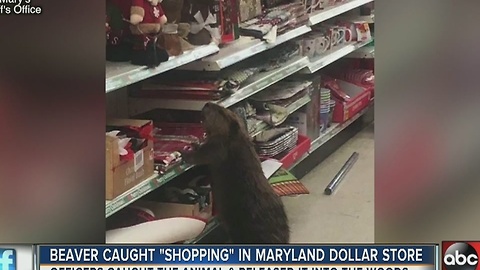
147	18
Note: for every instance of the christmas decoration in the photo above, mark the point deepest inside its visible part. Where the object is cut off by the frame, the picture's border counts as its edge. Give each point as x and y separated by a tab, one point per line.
147	19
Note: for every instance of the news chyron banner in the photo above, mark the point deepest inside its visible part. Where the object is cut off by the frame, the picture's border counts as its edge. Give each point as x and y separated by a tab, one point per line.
289	257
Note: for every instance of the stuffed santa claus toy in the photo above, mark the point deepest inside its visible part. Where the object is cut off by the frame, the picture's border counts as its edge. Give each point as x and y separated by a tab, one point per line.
147	18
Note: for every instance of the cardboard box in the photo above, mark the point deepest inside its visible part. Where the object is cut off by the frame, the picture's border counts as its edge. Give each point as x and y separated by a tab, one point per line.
123	175
346	109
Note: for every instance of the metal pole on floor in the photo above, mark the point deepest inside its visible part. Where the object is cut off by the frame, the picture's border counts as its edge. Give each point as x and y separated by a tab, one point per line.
341	174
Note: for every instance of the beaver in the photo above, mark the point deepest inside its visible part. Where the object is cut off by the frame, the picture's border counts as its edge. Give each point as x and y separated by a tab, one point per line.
246	204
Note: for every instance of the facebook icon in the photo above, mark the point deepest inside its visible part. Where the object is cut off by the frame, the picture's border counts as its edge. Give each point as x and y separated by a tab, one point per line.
8	258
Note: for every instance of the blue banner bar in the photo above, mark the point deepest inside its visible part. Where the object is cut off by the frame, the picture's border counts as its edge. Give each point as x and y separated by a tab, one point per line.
238	255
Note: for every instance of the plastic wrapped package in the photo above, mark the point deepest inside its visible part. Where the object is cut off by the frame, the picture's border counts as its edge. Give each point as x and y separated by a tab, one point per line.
363	77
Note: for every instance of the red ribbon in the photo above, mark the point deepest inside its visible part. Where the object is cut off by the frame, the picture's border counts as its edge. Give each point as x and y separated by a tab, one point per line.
144	132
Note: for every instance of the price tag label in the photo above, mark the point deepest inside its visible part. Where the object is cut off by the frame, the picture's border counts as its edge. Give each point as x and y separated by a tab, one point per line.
138	160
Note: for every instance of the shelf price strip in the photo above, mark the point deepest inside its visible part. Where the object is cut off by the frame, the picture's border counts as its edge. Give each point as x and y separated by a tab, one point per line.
142	189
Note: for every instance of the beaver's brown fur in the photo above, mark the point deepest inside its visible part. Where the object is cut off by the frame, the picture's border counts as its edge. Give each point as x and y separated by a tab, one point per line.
247	205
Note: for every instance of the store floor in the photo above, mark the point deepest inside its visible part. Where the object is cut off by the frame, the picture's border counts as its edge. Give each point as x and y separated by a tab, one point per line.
346	216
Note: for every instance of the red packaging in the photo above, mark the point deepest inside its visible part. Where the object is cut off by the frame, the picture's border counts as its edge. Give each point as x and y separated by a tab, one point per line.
357	75
229	14
368	63
350	98
303	145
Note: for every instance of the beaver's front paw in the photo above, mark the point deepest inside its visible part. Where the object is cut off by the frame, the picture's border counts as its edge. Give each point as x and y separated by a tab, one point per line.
195	146
188	153
188	158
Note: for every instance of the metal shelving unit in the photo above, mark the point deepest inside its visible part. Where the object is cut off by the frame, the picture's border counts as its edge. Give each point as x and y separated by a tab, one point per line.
213	58
317	63
122	74
156	180
261	126
333	130
242	49
254	85
367	52
330	12
142	189
295	106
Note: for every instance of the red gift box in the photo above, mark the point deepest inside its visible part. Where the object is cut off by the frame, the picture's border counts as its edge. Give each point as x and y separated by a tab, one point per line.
350	98
368	63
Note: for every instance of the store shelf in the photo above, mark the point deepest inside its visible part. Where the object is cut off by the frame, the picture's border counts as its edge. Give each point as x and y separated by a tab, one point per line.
355	15
334	130
367	52
156	180
298	104
213	58
331	132
368	18
241	49
336	10
261	126
262	81
319	62
119	75
252	86
142	189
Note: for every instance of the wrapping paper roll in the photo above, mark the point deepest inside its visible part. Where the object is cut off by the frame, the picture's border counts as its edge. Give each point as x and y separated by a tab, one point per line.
163	231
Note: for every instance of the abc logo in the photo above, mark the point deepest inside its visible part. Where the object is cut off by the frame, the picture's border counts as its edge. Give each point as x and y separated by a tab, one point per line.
460	256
